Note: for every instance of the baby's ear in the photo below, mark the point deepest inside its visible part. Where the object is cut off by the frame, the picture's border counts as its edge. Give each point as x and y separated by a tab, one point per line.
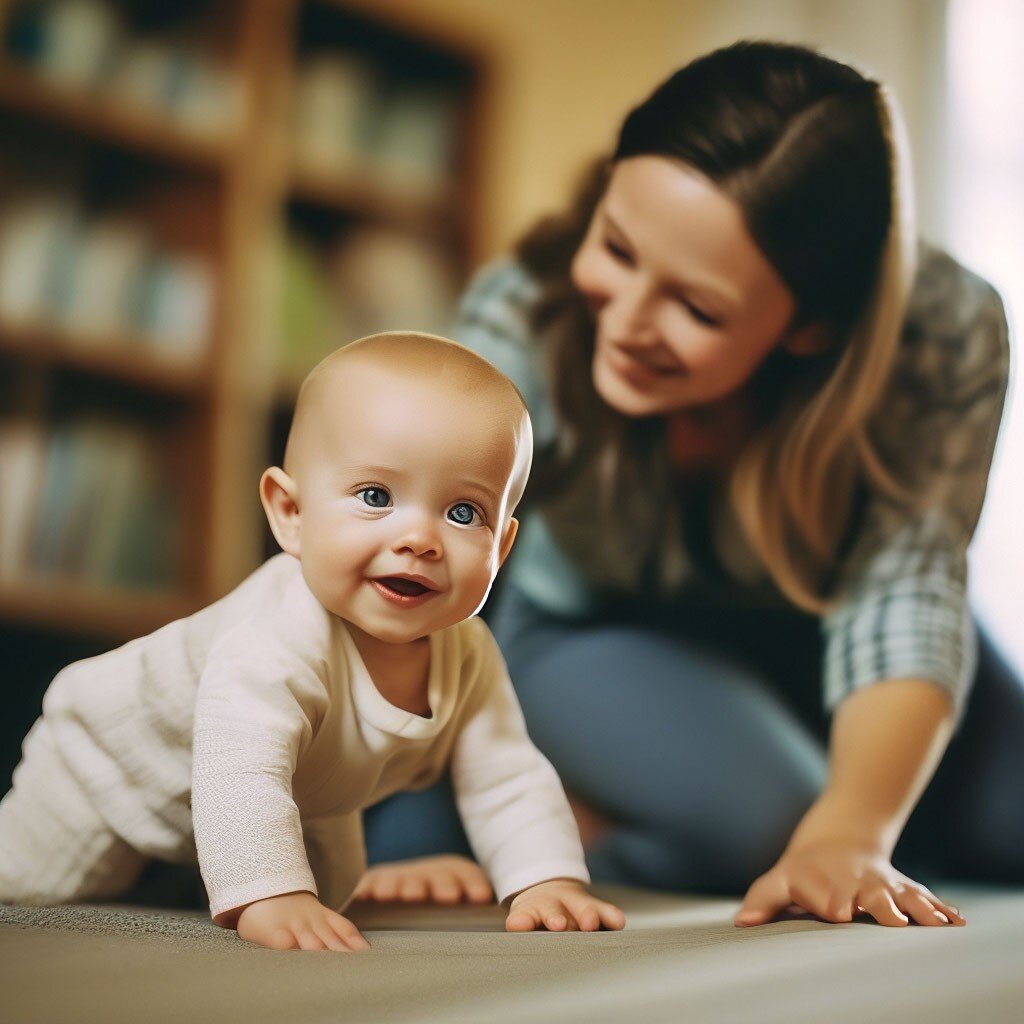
280	501
507	541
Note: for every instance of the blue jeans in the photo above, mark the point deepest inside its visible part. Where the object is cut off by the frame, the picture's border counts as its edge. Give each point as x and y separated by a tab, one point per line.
705	744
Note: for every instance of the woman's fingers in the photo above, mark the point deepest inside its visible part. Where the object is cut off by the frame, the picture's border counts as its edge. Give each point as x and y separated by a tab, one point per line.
815	895
952	914
919	908
878	902
765	898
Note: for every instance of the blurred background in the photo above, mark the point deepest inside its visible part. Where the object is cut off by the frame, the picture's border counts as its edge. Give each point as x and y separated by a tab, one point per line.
200	199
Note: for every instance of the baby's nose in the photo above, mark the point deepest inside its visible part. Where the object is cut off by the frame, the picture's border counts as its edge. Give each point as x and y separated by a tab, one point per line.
420	538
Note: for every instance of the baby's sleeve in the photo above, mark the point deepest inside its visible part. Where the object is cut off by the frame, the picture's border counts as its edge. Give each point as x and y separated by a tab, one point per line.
512	804
255	712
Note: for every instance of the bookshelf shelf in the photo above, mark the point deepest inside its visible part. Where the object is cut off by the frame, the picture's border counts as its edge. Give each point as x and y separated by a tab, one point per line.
120	358
363	194
95	116
71	608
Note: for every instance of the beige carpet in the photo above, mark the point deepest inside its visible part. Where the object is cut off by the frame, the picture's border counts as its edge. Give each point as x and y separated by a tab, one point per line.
679	959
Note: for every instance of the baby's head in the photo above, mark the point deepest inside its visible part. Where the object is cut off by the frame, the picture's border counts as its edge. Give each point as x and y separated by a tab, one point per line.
406	459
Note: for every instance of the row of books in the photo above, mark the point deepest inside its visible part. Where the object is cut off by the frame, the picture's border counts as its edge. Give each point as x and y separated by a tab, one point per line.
84	501
372	279
99	277
348	116
87	45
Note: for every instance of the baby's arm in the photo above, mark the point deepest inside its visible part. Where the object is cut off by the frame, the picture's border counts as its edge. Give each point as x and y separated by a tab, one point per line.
253	716
516	813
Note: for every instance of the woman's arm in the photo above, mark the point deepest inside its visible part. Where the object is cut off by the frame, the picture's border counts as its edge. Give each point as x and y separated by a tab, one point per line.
900	644
887	740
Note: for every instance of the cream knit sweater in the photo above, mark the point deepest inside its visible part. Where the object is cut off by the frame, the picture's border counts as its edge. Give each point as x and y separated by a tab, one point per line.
251	734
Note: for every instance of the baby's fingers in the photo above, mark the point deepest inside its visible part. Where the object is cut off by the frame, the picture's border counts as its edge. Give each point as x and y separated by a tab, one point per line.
591	913
330	938
540	914
308	939
524	919
346	931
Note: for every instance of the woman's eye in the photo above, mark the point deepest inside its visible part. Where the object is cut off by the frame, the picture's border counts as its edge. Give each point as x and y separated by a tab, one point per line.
375	497
617	251
700	316
463	513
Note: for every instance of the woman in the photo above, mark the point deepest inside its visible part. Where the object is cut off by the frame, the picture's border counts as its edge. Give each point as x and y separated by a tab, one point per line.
761	455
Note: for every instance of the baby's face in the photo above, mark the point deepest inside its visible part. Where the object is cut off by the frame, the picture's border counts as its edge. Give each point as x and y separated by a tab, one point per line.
403	501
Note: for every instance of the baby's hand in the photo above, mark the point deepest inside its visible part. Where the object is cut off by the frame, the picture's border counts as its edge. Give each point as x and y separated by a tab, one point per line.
835	880
561	905
298	920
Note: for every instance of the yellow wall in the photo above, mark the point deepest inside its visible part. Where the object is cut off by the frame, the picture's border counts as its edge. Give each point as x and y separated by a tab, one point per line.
563	74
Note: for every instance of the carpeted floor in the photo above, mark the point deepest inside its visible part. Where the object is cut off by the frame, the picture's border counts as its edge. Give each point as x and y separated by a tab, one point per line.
680	959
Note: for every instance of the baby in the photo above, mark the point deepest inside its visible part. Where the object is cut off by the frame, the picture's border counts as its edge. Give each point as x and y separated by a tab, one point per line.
252	734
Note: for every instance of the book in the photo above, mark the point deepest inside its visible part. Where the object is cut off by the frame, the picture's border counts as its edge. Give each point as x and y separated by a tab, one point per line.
105	279
22	461
333	98
38	235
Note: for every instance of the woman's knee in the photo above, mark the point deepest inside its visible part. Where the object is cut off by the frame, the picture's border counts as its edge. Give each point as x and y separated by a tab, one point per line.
415	824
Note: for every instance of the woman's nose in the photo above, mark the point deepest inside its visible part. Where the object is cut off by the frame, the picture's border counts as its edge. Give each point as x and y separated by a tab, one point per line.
627	316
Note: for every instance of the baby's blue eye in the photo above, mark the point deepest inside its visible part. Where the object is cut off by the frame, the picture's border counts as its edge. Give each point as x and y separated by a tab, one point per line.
375	497
462	513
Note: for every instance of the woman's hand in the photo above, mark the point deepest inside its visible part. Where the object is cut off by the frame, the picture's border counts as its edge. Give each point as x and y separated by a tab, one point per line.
561	905
835	879
298	920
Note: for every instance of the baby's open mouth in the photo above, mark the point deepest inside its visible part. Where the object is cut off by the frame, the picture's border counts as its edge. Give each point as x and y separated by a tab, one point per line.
408	587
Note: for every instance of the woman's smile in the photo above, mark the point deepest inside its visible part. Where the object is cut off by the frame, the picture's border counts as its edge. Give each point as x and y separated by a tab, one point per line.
638	370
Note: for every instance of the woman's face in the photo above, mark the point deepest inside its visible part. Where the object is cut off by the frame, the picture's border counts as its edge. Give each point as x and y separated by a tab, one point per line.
686	305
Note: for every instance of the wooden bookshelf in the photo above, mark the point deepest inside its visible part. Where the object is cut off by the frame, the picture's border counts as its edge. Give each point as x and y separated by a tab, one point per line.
122	358
24	92
359	193
69	607
228	197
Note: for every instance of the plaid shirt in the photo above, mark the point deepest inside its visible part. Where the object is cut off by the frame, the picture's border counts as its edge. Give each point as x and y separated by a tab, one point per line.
901	606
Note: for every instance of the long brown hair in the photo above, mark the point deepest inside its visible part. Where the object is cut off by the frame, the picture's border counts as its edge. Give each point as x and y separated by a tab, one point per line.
813	154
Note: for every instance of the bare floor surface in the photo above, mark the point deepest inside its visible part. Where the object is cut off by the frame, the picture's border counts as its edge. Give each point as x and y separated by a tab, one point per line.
680	958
